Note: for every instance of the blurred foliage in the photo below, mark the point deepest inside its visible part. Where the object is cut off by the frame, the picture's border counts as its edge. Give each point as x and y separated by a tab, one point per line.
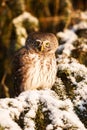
53	16
1	128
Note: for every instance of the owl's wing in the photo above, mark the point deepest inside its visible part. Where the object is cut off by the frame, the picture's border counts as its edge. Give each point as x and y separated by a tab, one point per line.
17	69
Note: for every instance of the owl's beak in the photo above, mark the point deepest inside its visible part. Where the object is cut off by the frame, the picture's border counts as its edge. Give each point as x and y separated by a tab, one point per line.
45	45
42	47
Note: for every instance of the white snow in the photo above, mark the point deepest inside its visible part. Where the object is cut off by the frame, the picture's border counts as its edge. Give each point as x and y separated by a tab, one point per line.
81	25
68	36
60	111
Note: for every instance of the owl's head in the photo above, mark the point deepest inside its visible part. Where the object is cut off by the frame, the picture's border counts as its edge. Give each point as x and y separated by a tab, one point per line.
42	42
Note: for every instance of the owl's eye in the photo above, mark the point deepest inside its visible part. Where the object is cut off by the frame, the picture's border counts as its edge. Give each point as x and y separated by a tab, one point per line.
47	44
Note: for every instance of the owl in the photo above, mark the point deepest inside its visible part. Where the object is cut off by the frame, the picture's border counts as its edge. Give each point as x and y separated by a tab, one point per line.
34	65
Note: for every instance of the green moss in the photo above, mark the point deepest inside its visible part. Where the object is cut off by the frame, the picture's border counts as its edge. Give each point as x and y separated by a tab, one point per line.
42	118
69	85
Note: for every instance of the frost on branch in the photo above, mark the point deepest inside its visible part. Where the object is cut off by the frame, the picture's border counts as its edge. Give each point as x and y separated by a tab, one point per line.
35	110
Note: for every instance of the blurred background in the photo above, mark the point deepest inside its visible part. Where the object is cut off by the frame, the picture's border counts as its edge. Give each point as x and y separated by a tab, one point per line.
19	17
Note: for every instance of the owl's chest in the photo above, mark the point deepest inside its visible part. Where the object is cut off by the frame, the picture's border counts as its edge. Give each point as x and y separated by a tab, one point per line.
41	73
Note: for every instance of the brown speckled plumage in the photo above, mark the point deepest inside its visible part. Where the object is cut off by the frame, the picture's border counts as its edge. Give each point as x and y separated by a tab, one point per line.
35	63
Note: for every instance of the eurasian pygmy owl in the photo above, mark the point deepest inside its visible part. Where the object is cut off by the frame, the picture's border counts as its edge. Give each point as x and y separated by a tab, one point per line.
35	64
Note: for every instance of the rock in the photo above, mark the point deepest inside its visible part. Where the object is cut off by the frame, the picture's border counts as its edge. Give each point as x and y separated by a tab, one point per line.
38	110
